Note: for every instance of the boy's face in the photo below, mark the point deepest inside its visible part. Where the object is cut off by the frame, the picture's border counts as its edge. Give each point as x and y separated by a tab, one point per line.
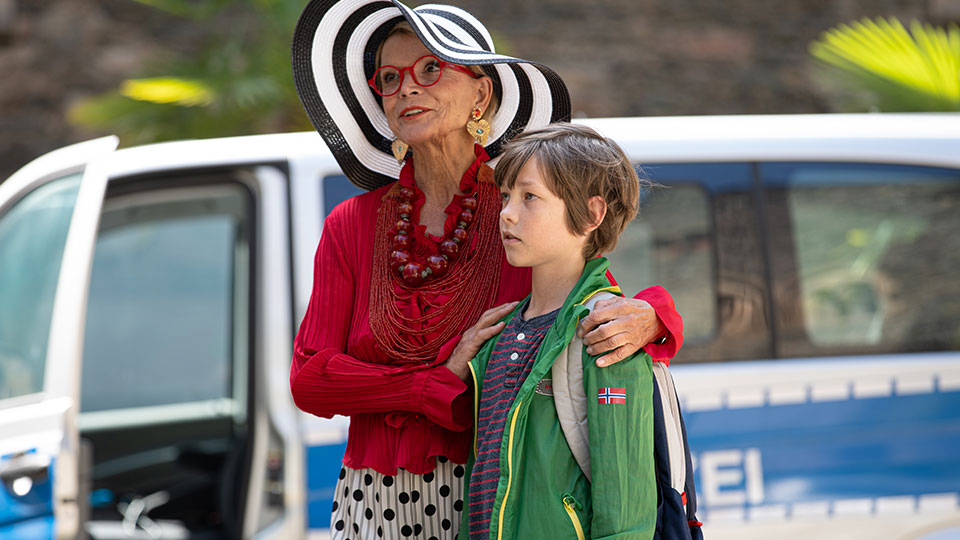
533	223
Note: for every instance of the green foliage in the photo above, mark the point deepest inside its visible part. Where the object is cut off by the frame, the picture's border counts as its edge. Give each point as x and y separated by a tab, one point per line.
917	70
240	83
193	9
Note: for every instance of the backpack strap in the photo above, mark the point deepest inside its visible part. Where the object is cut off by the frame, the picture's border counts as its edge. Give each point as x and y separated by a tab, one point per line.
569	396
673	426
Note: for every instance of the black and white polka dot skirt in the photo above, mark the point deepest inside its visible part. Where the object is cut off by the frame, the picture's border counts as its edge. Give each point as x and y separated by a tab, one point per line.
370	505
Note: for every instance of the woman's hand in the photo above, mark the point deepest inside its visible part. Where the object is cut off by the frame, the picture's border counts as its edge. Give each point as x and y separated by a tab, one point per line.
619	327
475	337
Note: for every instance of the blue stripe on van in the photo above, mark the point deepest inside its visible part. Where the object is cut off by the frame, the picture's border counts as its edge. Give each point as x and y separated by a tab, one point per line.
30	511
41	527
323	470
857	448
831	451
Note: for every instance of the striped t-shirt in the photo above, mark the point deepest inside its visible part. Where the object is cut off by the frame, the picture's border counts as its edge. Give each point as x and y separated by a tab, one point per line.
509	364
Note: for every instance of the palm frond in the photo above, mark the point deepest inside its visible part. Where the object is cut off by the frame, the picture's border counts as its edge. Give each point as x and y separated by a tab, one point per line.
915	70
183	92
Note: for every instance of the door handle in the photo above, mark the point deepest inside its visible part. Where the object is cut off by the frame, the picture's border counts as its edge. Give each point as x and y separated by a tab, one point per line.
30	465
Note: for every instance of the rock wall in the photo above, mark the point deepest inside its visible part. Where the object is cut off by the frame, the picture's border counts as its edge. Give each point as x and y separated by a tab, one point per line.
679	57
618	57
53	52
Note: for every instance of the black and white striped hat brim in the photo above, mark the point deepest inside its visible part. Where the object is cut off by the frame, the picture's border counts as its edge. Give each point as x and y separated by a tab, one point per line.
334	55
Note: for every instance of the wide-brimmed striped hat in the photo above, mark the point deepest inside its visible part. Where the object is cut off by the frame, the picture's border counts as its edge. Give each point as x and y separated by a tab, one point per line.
334	55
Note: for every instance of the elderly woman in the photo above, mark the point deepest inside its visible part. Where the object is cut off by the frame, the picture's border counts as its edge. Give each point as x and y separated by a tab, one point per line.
414	104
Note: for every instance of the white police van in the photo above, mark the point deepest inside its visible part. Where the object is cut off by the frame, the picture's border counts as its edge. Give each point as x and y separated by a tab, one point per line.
149	297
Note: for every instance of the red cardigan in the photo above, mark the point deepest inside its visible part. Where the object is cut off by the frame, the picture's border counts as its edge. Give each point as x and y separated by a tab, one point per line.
398	417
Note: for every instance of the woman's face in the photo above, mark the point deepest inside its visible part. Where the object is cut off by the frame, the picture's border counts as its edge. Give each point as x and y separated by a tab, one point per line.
435	114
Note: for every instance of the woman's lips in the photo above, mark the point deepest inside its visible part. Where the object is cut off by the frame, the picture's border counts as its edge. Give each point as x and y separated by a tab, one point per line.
412	112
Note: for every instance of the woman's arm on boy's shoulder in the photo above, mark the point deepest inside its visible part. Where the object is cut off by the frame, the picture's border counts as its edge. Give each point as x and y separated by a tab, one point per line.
620	422
617	328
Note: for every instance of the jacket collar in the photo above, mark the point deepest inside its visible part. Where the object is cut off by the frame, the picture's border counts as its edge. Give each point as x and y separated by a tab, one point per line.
592	280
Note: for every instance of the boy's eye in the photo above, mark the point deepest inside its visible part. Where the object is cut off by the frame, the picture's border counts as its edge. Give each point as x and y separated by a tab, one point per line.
529	196
504	196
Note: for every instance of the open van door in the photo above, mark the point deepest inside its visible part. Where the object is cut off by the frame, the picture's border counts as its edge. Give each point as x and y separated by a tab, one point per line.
49	212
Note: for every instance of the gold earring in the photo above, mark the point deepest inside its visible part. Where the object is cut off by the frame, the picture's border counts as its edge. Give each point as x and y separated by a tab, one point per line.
399	150
478	128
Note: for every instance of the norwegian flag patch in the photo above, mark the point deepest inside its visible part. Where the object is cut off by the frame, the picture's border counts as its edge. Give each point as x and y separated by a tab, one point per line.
612	396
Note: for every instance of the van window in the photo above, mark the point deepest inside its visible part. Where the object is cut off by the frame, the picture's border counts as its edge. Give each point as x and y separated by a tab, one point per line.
876	252
671	244
33	233
336	189
169	297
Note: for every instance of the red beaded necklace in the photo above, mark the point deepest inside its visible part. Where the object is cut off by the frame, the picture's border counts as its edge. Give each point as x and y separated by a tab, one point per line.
413	271
455	279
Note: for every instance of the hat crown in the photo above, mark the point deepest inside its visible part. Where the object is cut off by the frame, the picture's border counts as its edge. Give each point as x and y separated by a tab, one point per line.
458	27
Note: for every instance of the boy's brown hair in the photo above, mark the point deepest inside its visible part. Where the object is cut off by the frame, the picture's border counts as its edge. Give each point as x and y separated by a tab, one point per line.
578	163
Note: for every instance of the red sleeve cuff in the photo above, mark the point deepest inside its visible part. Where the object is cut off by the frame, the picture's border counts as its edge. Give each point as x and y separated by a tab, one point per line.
443	398
662	352
661	302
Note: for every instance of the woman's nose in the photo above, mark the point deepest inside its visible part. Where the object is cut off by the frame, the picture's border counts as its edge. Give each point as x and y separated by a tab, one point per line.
408	85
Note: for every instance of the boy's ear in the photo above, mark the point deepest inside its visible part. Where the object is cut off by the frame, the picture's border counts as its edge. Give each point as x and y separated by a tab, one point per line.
598	209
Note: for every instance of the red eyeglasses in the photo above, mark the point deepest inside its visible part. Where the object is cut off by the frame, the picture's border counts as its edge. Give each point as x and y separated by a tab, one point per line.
426	71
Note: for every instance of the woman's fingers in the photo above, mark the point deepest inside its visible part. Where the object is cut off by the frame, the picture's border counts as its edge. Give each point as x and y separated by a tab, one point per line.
487	326
614	349
603	311
602	332
480	335
636	318
496	313
619	327
606	344
490	317
616	355
490	331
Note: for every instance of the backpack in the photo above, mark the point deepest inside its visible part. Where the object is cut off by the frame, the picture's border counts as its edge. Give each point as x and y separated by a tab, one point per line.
676	493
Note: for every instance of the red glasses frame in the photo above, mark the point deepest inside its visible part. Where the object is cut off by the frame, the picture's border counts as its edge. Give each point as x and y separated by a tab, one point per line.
443	65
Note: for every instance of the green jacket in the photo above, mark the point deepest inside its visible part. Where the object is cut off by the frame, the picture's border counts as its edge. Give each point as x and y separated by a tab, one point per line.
542	493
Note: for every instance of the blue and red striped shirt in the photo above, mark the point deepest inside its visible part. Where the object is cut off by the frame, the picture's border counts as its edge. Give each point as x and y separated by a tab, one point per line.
510	363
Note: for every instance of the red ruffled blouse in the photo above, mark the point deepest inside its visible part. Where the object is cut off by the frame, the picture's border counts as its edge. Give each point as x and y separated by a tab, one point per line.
399	416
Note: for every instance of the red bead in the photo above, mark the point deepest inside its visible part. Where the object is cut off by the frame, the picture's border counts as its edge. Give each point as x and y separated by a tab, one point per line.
459	234
438	265
402	241
470	203
399	258
404	226
405	208
449	248
407	193
466	216
412	274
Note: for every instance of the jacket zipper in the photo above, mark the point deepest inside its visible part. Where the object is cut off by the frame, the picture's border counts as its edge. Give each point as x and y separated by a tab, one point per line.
503	505
513	425
570	504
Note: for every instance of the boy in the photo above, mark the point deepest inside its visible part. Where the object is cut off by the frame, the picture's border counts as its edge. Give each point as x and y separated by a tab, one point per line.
567	193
